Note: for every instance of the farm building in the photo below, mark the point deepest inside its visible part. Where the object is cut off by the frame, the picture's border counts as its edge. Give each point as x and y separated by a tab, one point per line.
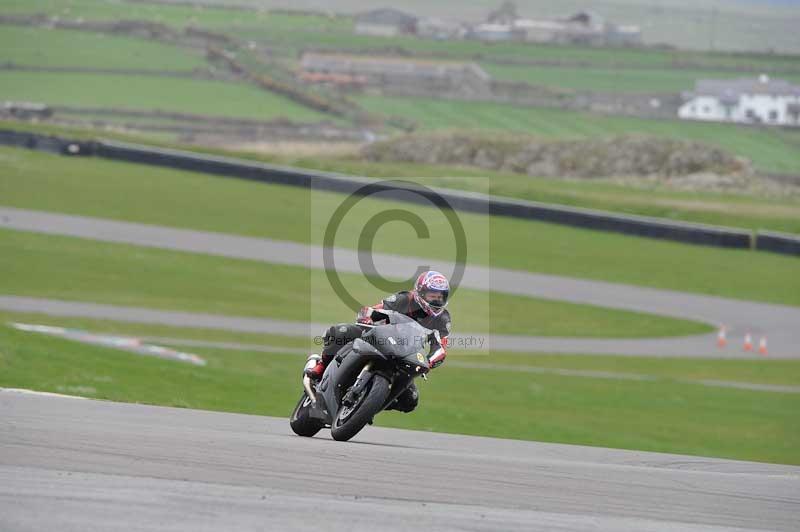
440	29
583	27
25	110
397	74
747	100
386	22
491	32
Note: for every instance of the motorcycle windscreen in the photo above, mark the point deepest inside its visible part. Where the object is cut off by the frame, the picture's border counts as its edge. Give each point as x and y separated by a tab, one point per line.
399	340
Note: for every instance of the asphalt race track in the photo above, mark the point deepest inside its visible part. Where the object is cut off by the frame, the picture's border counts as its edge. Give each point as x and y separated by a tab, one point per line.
777	322
72	464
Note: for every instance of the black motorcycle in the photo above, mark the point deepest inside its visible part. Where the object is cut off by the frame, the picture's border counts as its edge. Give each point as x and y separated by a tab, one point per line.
364	378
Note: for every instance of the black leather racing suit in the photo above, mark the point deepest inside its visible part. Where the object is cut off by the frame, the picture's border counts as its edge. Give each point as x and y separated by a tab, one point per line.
343	333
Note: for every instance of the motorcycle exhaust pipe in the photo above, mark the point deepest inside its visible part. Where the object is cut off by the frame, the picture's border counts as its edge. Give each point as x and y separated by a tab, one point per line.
309	389
311	361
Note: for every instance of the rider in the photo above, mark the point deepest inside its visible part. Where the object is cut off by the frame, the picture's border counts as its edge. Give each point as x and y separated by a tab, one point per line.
425	303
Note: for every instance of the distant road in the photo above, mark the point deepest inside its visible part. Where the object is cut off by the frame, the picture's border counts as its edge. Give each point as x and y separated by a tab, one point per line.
779	323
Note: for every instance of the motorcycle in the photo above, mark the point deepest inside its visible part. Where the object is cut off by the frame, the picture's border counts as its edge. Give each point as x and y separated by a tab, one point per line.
364	378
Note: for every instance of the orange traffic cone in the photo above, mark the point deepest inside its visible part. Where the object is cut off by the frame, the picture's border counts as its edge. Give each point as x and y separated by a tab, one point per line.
722	340
748	342
762	346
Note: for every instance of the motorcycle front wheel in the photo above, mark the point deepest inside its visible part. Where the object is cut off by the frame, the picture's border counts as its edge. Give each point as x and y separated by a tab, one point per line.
350	420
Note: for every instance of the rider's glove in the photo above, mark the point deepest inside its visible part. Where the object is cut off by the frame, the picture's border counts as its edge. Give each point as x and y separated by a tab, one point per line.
436	358
364	316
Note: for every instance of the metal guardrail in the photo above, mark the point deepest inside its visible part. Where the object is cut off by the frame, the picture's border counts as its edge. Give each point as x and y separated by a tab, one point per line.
644	226
464	201
778	242
48	143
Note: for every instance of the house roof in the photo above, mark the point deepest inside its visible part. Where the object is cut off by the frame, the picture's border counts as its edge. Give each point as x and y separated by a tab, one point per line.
388	16
388	65
731	89
586	18
529	24
491	27
433	22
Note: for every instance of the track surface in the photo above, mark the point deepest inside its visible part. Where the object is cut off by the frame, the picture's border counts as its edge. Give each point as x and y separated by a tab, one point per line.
778	322
77	464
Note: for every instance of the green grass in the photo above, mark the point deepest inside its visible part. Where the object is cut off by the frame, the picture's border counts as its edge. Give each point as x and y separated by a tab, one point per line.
182	199
337	32
136	330
470	50
84	270
649	416
763	371
214	98
732	210
175	16
771	150
773	212
290	33
71	48
748	211
620	80
631	415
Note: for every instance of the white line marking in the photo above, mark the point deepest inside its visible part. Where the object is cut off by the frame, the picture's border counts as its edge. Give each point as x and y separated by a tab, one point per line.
34	392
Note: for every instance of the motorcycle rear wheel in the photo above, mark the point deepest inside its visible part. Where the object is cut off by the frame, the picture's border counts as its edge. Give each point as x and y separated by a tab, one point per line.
301	422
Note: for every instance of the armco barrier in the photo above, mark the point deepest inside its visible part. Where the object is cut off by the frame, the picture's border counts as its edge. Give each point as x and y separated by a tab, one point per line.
464	201
778	242
35	141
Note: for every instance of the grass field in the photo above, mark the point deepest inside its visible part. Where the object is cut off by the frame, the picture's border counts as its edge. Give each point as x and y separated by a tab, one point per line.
139	330
749	211
770	150
292	41
215	98
611	69
649	198
736	28
183	199
291	32
175	16
84	270
624	414
70	48
760	371
736	25
733	210
621	80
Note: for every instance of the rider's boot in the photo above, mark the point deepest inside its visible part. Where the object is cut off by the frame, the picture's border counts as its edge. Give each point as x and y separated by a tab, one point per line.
315	366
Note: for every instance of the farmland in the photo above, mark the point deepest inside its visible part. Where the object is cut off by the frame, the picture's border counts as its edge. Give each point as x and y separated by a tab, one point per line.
213	98
277	39
40	47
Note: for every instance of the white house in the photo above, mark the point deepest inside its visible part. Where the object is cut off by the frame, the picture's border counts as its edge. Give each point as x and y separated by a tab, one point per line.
756	101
